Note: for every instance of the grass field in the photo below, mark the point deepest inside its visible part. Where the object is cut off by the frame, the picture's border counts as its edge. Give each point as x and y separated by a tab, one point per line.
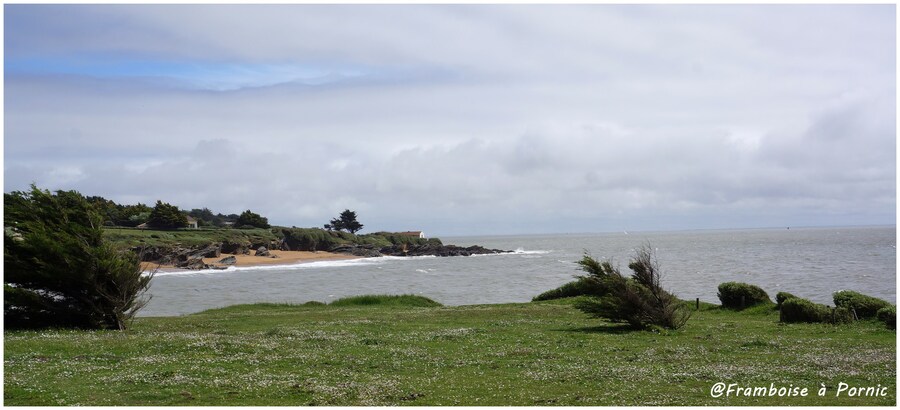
128	237
391	353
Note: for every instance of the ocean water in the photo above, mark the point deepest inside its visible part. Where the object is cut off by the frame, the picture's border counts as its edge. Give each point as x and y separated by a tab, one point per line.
808	262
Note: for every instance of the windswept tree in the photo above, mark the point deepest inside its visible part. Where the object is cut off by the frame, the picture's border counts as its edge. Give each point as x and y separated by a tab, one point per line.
250	219
165	216
59	272
345	221
639	300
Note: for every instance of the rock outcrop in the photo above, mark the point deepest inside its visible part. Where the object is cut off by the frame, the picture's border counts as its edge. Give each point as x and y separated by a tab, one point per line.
229	260
366	251
192	257
427	249
193	262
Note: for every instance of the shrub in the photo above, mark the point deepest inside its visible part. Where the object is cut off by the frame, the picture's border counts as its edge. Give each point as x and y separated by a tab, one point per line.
736	295
638	300
310	239
384	239
866	307
386	300
578	287
59	271
781	297
797	310
888	315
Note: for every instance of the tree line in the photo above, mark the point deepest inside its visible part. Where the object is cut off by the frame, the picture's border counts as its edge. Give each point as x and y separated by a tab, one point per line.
166	216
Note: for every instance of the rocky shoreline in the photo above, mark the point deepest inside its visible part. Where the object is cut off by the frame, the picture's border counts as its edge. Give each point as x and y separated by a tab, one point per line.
192	257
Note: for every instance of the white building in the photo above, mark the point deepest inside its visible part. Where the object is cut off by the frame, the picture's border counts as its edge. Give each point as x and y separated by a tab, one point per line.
416	234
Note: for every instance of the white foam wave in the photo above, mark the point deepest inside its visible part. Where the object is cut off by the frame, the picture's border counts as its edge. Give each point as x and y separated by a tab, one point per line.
183	272
521	251
297	266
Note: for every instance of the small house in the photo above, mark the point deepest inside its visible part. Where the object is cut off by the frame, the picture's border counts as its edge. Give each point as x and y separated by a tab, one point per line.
414	234
191	224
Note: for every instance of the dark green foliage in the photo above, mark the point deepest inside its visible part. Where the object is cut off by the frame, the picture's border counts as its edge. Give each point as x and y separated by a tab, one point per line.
386	300
579	287
165	216
206	218
346	221
313	303
736	295
382	239
59	272
888	315
639	300
315	239
781	297
252	220
866	307
311	239
120	215
798	310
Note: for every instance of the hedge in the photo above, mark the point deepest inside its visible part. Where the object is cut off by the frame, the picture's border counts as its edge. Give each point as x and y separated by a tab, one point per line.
866	307
888	315
781	297
797	310
735	295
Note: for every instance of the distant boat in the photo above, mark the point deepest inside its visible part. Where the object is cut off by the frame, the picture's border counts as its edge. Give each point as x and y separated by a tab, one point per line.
625	232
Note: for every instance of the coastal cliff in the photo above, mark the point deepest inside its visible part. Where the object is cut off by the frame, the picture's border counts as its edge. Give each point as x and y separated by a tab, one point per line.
187	249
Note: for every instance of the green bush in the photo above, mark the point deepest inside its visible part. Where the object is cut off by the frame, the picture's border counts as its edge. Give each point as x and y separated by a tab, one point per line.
888	315
797	310
60	271
781	297
384	239
866	307
386	300
312	239
579	287
639	300
736	295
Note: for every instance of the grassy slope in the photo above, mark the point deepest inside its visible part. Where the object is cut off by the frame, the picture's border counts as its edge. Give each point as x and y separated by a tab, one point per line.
127	238
544	353
185	237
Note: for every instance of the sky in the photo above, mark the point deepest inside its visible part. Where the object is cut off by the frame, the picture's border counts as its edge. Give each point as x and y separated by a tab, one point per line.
462	120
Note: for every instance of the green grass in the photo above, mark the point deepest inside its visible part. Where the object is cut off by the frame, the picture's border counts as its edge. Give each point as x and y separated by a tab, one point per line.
130	237
126	237
386	300
390	353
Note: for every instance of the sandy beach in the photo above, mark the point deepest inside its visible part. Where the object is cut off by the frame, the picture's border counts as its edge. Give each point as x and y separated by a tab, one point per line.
282	258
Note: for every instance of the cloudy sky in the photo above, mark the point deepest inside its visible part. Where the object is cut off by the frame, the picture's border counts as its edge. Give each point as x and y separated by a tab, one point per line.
462	119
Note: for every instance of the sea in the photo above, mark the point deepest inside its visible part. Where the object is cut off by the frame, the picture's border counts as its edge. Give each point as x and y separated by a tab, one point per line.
809	262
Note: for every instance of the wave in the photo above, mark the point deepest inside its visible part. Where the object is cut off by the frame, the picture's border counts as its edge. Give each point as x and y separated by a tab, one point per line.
296	266
374	262
522	251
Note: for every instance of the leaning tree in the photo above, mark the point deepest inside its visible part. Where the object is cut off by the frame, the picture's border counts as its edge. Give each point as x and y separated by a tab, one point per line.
58	269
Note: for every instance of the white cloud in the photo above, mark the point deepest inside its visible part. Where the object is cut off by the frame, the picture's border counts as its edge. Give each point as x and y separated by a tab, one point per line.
470	119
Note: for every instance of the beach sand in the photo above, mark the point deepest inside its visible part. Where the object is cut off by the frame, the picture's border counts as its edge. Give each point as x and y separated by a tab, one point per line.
283	258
